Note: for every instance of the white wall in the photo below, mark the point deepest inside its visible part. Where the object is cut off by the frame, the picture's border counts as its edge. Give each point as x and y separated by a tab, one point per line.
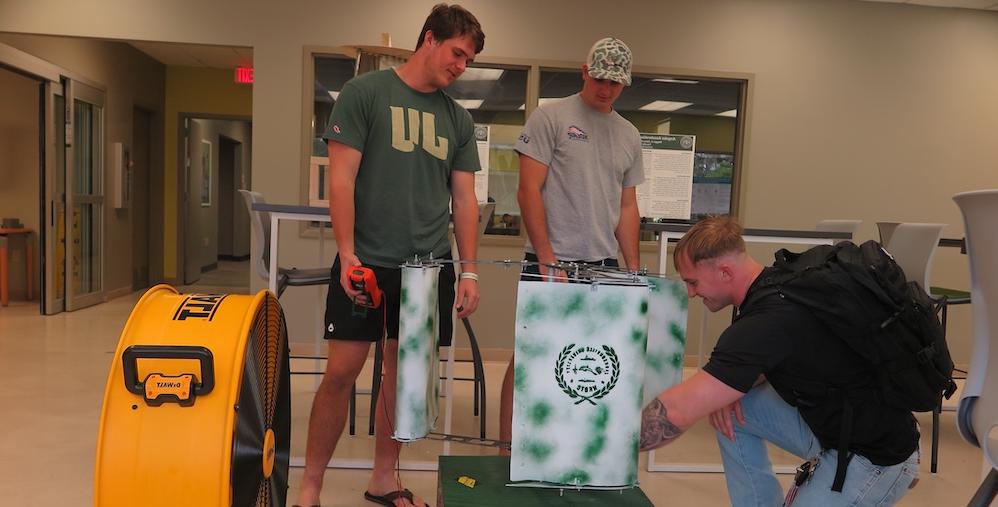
859	110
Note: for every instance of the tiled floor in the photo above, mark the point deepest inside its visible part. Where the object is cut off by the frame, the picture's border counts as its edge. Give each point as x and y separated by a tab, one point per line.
54	370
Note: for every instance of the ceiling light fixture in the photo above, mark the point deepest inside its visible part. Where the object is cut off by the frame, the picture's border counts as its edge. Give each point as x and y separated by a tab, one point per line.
731	113
675	80
481	74
470	103
664	105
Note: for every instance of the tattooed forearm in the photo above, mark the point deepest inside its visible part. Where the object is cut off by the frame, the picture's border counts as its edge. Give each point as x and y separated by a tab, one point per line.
656	428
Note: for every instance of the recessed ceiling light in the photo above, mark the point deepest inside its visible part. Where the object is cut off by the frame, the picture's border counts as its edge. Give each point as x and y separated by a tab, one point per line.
664	105
731	113
481	74
470	103
675	80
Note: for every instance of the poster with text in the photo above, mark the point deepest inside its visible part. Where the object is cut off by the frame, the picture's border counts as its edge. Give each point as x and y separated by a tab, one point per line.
667	191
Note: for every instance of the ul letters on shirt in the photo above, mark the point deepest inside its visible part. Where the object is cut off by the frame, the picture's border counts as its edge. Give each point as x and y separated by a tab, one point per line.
580	373
407	123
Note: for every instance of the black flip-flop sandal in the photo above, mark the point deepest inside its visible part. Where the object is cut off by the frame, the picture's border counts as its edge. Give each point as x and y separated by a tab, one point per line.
388	499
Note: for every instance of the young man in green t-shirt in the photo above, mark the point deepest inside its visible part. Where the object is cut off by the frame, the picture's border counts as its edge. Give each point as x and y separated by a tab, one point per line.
400	152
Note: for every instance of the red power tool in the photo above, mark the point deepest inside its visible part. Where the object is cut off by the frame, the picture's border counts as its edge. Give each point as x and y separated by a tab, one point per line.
362	279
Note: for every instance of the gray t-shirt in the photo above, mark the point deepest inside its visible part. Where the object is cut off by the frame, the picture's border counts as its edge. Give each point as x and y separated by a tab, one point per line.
591	157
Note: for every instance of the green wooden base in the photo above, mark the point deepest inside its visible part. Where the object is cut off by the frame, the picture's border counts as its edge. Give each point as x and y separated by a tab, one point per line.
491	473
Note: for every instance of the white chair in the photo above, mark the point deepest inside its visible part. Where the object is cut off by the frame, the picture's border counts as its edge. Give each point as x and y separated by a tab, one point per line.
261	250
977	413
850	226
886	229
913	246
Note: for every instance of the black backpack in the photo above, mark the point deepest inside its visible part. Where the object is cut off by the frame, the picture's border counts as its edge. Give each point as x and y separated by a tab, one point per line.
862	296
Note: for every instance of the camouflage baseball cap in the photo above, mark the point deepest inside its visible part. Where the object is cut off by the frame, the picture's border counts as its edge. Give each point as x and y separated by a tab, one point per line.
610	59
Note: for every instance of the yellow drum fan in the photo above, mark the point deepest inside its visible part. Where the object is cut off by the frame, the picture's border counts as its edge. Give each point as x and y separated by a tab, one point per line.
197	408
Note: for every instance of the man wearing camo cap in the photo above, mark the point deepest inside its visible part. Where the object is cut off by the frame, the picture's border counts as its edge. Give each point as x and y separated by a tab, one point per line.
580	162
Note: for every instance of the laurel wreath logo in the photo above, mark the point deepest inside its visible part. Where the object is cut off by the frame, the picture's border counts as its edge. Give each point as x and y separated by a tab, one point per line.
559	374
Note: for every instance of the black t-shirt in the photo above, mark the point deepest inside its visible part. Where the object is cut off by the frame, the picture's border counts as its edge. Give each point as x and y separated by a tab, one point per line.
783	341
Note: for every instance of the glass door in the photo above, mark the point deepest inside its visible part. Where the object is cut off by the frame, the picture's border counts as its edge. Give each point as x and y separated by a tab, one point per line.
55	199
84	195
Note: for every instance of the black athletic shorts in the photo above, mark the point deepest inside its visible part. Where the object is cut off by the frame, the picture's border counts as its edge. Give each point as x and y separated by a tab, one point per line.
347	321
533	269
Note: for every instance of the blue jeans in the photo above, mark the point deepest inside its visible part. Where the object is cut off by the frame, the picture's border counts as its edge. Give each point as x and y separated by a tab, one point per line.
749	472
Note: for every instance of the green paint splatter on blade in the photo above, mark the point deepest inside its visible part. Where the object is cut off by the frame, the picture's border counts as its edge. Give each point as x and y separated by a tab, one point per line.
601	418
612	307
574	304
677	333
655	361
677	360
638	335
539	413
519	378
679	294
594	448
538	451
534	309
576	476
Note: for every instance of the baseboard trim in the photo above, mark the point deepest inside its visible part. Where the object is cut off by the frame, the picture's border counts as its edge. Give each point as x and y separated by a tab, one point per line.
234	258
117	293
210	267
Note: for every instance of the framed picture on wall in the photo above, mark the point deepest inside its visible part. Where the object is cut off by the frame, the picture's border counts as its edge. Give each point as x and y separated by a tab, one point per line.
205	173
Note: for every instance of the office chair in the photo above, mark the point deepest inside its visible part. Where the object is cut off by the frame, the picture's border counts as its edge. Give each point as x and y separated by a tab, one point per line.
286	277
977	412
913	246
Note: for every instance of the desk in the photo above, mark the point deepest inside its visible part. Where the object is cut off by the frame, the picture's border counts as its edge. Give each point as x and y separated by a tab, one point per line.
29	259
672	232
280	212
491	473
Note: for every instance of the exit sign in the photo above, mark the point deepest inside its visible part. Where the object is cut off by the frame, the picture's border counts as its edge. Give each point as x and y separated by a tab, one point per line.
244	74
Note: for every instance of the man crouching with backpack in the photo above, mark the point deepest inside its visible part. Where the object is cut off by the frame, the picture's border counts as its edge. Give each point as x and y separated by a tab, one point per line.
753	388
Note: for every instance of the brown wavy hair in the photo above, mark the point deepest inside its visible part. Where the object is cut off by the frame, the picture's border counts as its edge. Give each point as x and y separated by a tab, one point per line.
710	238
449	21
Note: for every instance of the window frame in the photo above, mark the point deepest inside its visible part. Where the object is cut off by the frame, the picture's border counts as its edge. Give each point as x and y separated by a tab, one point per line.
534	67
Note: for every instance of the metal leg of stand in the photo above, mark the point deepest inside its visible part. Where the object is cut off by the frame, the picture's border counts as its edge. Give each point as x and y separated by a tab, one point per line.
353	409
476	356
375	386
986	492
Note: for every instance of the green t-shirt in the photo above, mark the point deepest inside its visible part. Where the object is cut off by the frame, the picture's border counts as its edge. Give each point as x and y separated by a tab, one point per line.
410	142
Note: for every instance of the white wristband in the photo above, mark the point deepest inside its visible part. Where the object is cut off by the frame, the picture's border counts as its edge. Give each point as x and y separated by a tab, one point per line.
467	275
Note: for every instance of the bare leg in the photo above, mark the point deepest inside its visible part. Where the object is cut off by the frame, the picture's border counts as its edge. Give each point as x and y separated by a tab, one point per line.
329	413
386	449
506	407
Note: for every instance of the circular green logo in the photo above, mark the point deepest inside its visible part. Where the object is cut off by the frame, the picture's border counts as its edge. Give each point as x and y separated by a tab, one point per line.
587	373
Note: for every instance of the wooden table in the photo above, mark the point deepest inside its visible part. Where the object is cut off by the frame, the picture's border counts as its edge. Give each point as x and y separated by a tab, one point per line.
28	262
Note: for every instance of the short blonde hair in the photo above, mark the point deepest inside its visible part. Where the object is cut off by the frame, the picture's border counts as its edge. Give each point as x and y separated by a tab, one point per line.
709	239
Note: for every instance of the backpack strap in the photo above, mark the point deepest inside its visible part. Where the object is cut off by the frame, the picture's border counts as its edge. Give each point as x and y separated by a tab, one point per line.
845	438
